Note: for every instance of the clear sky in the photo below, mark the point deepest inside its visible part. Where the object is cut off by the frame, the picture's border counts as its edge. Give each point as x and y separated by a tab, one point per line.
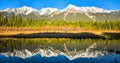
60	4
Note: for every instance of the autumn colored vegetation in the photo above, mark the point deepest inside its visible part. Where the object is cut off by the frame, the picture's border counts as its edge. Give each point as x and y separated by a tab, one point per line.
19	21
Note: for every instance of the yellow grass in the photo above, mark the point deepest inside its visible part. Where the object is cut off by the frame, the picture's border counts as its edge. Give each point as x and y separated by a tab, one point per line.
60	29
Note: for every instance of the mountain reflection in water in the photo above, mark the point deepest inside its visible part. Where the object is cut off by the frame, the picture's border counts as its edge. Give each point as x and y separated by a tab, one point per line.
59	50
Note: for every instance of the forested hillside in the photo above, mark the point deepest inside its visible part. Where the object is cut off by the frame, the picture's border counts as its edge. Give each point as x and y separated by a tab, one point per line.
18	21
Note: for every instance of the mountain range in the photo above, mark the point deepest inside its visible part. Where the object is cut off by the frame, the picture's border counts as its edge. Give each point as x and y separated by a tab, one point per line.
70	13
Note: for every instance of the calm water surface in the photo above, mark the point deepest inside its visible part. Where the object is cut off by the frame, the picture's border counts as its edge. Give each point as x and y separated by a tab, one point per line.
57	50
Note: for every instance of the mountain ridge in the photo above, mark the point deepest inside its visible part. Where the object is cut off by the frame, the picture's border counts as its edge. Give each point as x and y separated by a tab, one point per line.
71	12
84	9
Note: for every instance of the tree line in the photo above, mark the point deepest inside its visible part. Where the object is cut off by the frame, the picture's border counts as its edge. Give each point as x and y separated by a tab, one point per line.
19	21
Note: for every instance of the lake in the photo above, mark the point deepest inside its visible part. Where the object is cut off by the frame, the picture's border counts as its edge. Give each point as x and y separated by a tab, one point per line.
59	50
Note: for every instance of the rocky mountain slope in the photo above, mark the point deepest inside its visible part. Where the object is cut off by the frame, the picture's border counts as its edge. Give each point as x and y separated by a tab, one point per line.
70	13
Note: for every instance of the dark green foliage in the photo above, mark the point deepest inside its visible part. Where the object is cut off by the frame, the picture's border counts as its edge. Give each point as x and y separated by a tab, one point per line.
18	21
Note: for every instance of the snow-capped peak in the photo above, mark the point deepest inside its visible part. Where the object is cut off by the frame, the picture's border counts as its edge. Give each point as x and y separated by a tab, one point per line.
70	6
24	10
73	8
10	10
93	10
47	11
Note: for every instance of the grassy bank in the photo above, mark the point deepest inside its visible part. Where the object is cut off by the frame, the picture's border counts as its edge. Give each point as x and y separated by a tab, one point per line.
57	32
81	35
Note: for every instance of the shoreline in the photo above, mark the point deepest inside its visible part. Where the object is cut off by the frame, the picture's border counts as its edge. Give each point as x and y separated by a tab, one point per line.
61	32
82	35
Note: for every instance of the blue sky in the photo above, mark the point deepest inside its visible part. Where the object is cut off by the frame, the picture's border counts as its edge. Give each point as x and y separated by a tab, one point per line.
60	4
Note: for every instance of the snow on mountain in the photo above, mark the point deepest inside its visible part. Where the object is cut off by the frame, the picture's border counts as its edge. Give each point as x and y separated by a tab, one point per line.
79	13
93	10
84	10
27	10
72	8
47	11
23	10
